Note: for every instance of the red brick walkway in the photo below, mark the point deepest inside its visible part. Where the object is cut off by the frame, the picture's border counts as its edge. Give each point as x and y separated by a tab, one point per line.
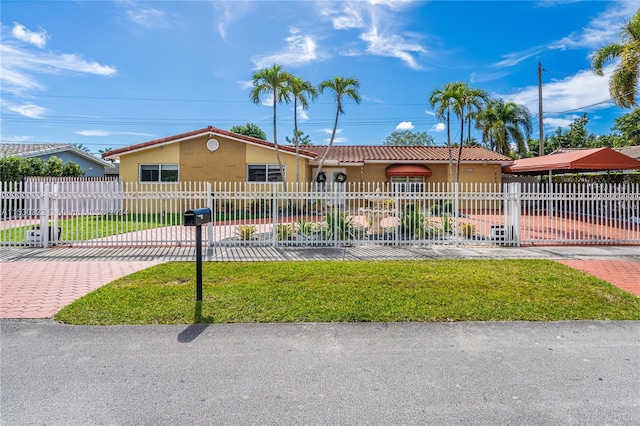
40	289
625	275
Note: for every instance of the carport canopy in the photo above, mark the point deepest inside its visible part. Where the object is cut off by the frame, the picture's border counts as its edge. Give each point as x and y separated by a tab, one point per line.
407	170
583	160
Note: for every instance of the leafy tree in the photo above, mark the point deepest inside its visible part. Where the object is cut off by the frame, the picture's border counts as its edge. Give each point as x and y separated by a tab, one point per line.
33	167
250	129
576	137
444	98
303	140
623	85
503	124
72	169
53	166
15	169
342	88
272	81
303	91
10	169
629	127
408	138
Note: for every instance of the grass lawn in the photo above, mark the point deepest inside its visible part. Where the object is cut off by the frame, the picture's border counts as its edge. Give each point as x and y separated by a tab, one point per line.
329	291
82	228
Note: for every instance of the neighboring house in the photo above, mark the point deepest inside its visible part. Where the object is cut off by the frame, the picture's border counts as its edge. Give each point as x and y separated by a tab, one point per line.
91	165
216	155
631	151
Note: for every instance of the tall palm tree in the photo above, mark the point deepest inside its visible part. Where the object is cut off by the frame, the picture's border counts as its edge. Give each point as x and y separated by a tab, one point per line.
272	81
444	97
623	85
486	120
342	88
506	123
465	100
303	91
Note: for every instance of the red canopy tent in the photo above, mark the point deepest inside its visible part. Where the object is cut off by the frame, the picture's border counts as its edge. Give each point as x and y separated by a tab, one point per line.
582	160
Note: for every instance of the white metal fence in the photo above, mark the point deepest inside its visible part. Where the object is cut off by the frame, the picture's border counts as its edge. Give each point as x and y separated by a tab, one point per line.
127	214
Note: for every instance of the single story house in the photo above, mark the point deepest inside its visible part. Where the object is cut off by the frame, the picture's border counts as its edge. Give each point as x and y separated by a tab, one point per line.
91	165
215	155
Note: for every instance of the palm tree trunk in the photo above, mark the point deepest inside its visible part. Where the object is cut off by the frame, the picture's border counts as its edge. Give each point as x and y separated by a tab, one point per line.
449	145
326	151
275	143
295	138
460	147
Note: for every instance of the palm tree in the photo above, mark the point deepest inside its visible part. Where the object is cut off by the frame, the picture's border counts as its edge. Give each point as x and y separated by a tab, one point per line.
465	99
272	81
506	123
444	98
302	92
486	120
342	87
623	85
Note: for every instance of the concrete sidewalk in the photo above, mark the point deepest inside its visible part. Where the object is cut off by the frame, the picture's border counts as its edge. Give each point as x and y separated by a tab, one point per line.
36	283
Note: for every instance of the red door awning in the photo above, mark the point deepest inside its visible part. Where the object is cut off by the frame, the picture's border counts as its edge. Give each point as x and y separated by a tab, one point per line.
408	170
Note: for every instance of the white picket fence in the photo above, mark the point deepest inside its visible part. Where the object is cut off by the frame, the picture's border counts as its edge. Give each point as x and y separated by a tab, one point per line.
81	214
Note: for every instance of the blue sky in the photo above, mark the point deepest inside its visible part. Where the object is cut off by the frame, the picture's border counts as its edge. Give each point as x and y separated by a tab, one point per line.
115	73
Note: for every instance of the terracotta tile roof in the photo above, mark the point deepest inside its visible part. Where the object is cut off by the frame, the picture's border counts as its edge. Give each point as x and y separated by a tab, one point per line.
195	133
369	153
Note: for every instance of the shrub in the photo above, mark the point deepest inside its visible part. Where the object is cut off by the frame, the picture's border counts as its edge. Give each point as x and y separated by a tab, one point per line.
246	232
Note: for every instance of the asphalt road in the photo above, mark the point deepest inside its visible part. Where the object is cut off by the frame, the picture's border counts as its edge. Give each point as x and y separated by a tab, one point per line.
570	373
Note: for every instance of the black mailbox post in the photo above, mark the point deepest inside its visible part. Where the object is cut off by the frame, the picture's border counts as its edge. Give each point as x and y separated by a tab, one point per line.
197	218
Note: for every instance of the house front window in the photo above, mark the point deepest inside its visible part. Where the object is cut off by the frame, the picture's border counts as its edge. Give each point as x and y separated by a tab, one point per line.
159	173
407	183
264	173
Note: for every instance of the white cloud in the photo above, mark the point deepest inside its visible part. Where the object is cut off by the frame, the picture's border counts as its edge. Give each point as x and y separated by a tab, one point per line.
94	133
582	91
300	49
440	127
148	18
20	66
379	27
337	139
38	39
29	110
247	84
484	77
302	114
426	111
563	122
229	11
603	29
392	45
514	58
405	125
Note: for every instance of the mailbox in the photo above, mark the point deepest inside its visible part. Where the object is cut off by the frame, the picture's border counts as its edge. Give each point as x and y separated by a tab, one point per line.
197	217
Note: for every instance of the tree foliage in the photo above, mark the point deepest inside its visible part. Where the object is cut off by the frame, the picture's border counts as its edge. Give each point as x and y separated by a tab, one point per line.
629	127
16	169
408	138
251	130
623	84
303	140
272	81
342	88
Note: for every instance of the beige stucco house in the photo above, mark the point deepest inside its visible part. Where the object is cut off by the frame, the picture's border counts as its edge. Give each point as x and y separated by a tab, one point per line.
214	155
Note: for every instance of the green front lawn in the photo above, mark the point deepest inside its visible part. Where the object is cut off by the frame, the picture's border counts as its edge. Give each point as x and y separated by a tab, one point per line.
330	291
83	228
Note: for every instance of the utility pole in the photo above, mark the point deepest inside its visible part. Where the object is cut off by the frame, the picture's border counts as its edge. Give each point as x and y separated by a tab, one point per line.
540	108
